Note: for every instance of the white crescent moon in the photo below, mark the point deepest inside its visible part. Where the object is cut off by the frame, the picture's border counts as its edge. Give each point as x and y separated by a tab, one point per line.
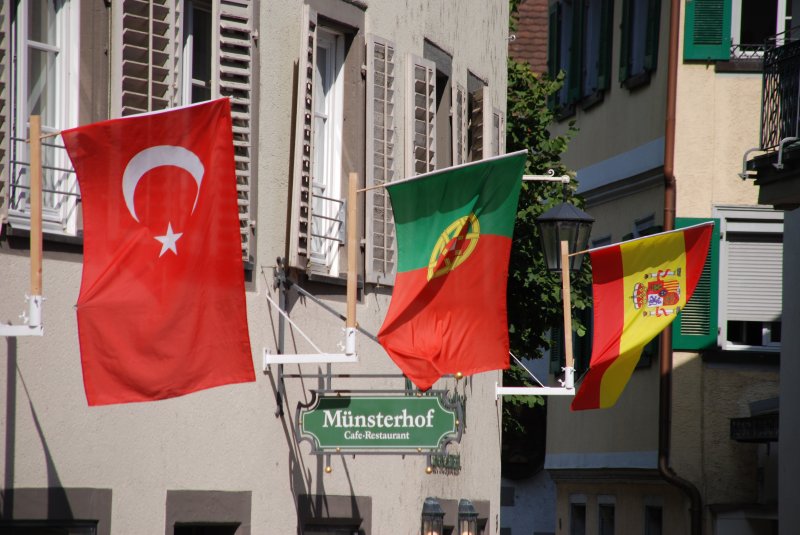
158	156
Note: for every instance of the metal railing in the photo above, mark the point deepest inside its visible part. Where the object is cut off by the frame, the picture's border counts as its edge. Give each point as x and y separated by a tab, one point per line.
780	96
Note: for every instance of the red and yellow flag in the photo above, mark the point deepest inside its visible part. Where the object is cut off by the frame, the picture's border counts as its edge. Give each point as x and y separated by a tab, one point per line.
639	287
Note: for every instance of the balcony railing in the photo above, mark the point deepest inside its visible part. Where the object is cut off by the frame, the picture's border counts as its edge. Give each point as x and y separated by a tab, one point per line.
780	97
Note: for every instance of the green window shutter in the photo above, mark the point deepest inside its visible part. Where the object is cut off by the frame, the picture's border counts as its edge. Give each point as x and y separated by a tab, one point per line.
707	33
553	52
556	349
696	326
606	37
576	53
625	41
651	39
552	41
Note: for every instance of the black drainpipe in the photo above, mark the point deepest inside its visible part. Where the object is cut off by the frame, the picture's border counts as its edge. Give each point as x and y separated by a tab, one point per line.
665	383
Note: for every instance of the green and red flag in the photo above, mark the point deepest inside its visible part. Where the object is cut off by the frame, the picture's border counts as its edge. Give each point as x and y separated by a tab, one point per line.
639	286
448	308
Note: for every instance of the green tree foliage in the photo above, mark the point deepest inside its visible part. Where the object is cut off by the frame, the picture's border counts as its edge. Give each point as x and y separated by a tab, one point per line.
534	294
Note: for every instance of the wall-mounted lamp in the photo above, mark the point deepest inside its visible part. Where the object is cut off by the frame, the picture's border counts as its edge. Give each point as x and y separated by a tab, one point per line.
432	517
568	223
467	518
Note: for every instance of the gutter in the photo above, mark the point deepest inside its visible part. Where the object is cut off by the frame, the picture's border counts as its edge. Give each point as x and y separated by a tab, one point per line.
665	363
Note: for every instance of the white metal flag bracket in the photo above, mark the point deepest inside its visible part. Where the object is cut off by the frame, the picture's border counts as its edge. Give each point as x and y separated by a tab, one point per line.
32	317
567	387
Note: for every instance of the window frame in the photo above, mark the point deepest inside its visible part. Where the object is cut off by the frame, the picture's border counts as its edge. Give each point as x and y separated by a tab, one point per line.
60	204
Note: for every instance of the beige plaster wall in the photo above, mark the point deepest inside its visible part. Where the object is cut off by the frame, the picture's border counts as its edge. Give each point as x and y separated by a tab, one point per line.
229	438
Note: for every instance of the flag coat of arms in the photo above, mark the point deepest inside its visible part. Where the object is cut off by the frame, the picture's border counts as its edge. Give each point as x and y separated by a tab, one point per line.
448	307
161	310
639	286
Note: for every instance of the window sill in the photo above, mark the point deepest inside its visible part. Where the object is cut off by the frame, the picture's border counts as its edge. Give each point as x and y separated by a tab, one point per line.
751	65
25	233
758	358
636	81
592	99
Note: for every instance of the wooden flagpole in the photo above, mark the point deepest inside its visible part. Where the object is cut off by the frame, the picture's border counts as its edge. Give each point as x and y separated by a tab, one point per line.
566	298
36	204
352	261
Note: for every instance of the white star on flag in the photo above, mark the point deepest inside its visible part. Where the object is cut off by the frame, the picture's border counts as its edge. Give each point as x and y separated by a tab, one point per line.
169	241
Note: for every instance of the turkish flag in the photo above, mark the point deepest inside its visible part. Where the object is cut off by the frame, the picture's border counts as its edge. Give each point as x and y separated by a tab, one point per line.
161	310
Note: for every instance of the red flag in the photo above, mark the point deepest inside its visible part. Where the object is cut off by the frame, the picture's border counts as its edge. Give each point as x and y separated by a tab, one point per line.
161	310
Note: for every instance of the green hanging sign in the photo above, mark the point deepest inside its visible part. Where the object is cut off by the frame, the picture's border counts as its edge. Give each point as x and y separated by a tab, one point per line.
378	423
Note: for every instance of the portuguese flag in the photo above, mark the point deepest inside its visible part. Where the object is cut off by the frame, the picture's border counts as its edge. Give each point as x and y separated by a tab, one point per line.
639	287
448	308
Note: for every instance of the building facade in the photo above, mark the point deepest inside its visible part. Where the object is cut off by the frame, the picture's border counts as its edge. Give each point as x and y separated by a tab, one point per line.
695	468
319	90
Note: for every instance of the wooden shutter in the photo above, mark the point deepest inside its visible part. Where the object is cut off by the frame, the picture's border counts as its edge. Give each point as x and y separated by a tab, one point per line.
381	160
459	121
150	55
606	39
707	33
651	38
299	239
235	80
421	116
625	41
696	326
5	107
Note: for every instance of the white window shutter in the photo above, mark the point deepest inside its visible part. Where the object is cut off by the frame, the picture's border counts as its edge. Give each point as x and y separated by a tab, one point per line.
421	116
476	122
299	237
5	108
459	122
150	55
380	254
234	80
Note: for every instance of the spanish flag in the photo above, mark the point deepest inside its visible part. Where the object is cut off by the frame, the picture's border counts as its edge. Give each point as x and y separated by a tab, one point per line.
639	287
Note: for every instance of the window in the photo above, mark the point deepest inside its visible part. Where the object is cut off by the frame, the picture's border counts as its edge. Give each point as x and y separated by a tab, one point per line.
197	52
205	529
577	518
177	53
446	124
652	520
737	304
48	528
45	83
639	41
331	58
733	29
605	515
460	124
597	34
334	514
475	108
580	46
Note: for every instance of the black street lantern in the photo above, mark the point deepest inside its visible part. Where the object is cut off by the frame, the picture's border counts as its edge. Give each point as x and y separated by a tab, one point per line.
432	517
467	518
567	223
